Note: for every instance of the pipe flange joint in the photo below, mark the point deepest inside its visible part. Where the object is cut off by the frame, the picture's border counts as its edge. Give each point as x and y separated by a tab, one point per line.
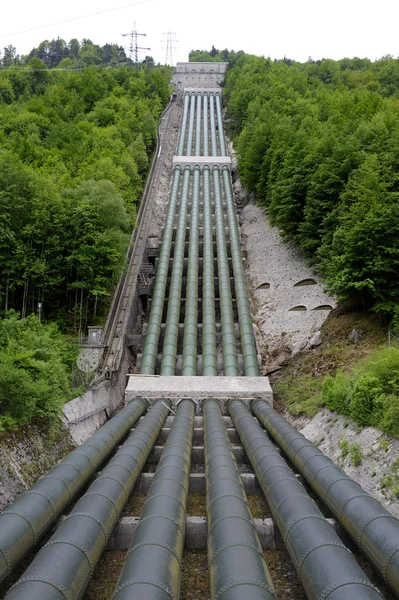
238	582
342	582
148	581
155	543
25	518
55	584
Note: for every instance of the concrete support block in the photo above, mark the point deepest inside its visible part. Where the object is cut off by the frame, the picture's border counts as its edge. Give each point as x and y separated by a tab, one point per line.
199	389
197	483
196	533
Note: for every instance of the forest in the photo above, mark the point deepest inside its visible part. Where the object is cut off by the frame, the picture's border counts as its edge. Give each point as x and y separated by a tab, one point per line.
67	55
318	144
75	148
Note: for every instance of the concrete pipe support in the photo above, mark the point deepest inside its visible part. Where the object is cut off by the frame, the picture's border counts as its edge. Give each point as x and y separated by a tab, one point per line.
209	350
370	526
158	298
152	568
27	519
325	566
169	350
248	344
236	562
230	360
190	336
64	566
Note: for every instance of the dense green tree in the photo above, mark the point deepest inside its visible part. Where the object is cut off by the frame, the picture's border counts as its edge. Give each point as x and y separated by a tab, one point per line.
35	371
319	145
74	153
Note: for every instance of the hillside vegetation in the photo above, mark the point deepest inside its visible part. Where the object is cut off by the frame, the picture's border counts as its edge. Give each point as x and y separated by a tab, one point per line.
319	144
75	149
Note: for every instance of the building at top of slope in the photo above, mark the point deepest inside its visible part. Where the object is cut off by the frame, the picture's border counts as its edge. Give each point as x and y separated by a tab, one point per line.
199	75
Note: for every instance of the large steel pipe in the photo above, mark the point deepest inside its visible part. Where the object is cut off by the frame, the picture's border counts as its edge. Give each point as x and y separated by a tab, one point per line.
236	562
209	350
63	567
182	136
190	134
325	566
222	141
198	126
248	345
214	143
190	335
230	360
152	568
169	350
158	298
25	521
205	126
370	526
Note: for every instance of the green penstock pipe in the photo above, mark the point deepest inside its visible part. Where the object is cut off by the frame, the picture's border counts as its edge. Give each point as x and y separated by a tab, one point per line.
191	126
206	126
248	344
326	567
152	568
222	142
230	361
214	143
24	522
373	529
150	349
190	336
209	350
182	136
198	127
64	566
237	568
169	350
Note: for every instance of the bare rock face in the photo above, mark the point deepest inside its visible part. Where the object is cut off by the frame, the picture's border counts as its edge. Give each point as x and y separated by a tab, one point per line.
355	335
289	302
26	455
377	453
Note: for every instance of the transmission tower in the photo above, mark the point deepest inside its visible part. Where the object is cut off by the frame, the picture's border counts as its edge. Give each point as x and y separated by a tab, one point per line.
169	46
134	48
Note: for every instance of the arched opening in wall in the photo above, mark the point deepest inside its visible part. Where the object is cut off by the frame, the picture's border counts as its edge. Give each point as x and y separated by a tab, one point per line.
304	282
298	308
263	286
323	307
193	70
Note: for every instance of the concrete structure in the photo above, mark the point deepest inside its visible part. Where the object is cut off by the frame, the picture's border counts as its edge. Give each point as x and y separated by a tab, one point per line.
199	388
202	161
199	75
196	533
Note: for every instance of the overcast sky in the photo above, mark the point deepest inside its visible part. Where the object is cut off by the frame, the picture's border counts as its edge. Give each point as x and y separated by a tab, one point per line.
293	28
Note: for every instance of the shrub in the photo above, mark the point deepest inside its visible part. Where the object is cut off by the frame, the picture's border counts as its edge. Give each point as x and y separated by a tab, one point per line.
35	367
336	393
343	444
355	454
363	399
370	396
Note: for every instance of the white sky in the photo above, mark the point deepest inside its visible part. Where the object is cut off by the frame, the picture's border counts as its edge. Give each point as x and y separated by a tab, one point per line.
293	28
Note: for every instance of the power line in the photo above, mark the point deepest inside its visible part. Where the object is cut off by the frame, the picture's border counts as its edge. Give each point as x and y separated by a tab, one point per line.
100	12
